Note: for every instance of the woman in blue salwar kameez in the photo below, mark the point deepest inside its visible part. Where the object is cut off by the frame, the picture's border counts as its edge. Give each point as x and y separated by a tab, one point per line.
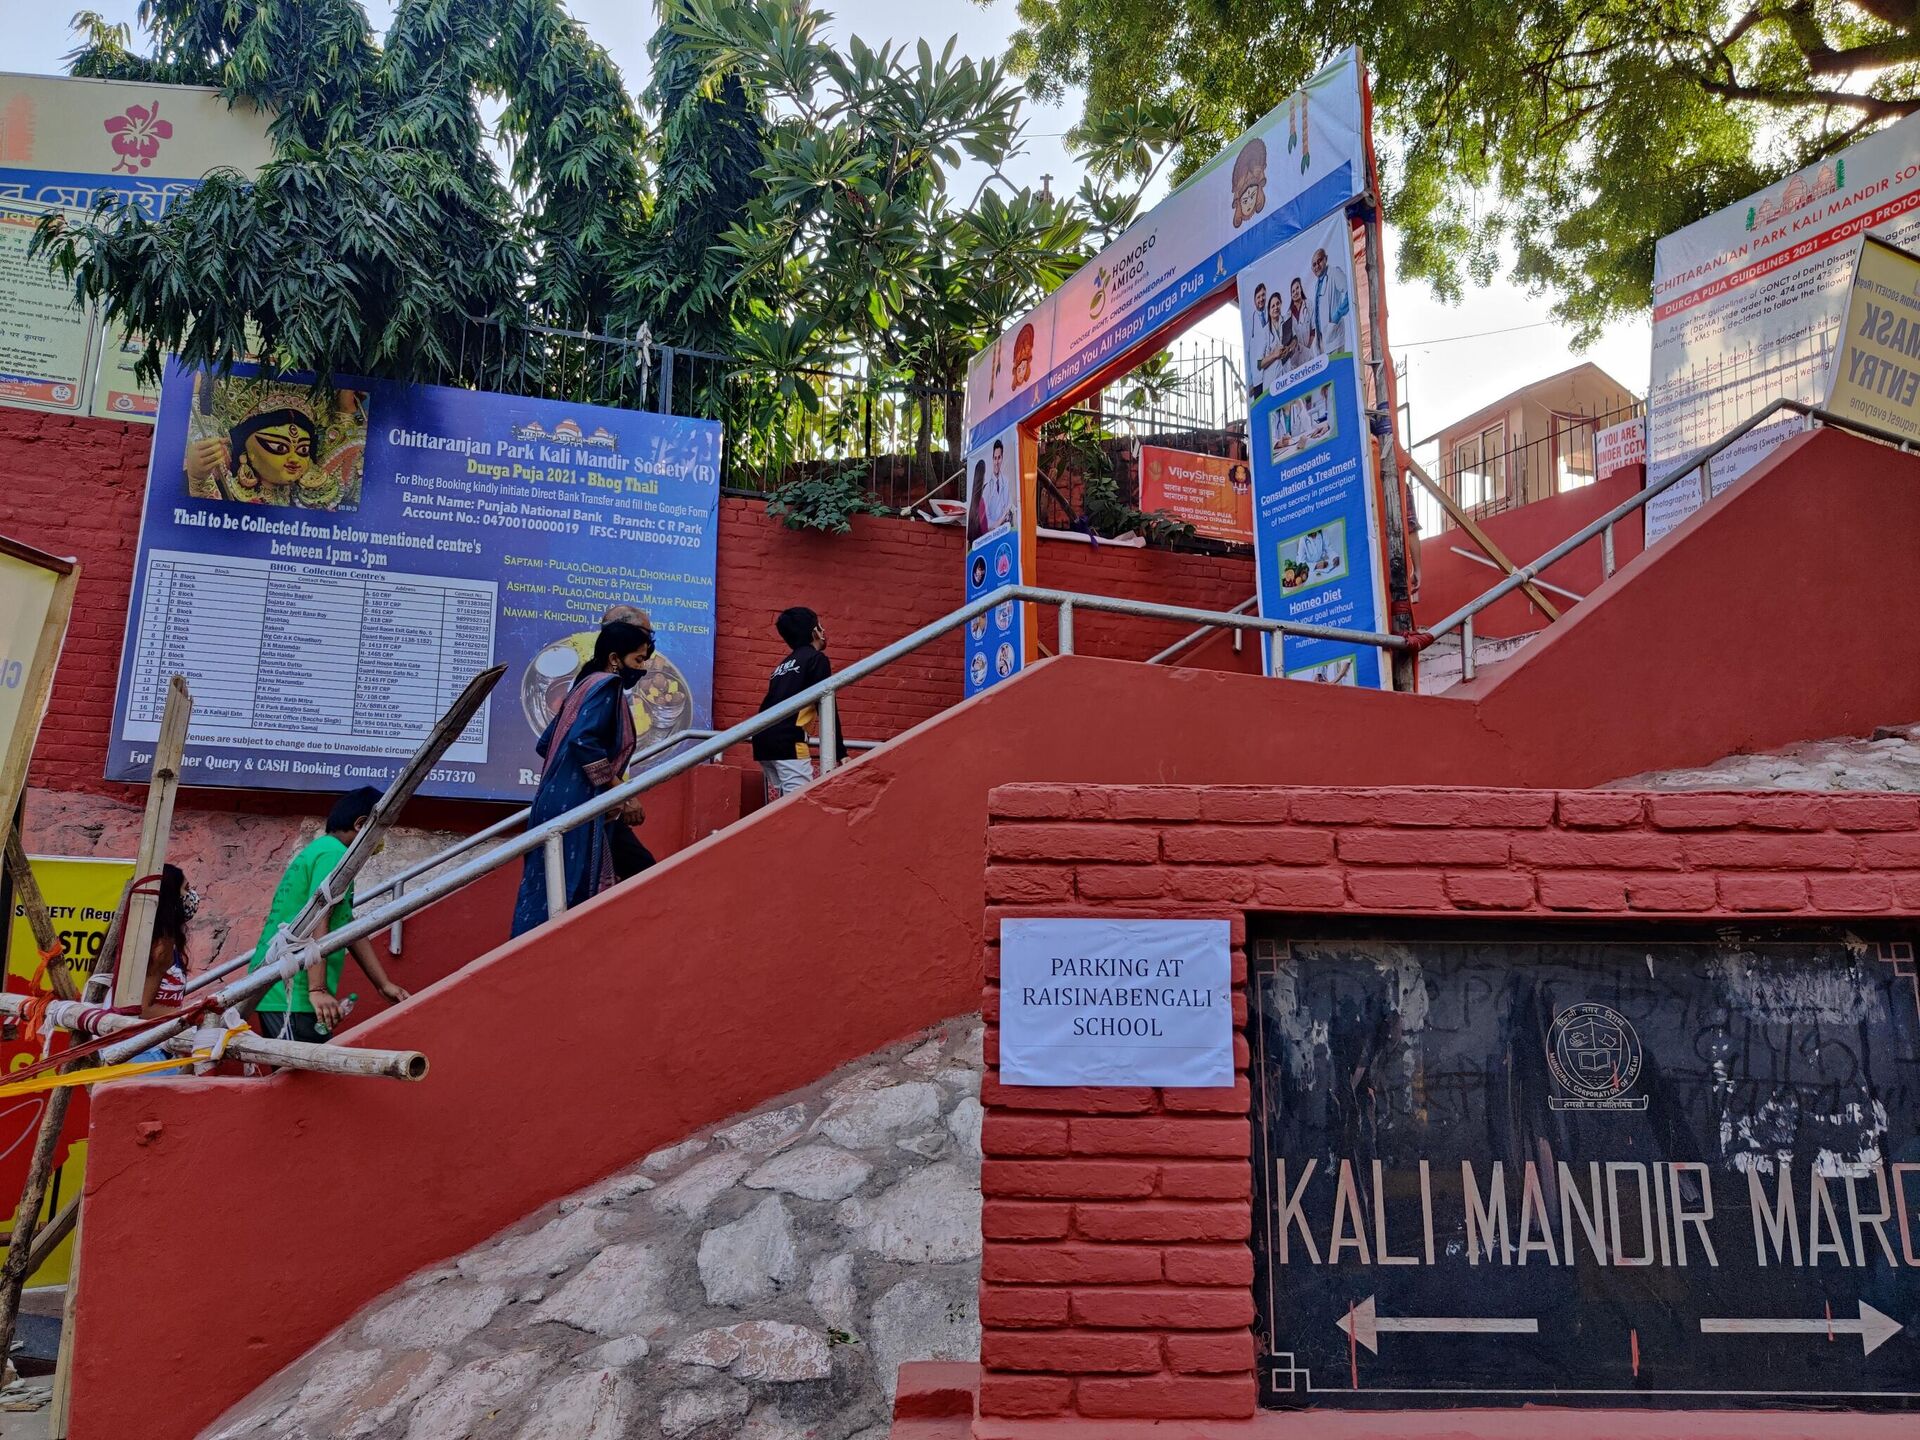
586	749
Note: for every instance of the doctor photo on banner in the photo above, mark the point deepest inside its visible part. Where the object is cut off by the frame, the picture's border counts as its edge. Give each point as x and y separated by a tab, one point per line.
995	641
1294	315
1317	536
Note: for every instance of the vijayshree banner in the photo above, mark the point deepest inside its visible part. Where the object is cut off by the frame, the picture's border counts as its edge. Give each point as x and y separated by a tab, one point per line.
1876	371
1317	551
995	647
1305	157
1212	493
328	568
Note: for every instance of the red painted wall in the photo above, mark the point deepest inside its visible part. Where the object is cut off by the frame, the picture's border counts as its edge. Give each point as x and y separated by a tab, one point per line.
74	486
827	925
1449	581
1116	1278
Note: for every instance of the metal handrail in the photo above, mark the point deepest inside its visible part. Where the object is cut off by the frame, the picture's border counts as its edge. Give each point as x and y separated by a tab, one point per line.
285	958
1198	635
1700	460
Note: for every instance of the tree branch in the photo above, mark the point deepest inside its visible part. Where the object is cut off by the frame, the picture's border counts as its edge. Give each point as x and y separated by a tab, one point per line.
1881	53
1871	106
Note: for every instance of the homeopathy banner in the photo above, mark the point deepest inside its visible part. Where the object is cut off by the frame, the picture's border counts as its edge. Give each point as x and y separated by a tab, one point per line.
997	495
1305	157
328	568
1317	551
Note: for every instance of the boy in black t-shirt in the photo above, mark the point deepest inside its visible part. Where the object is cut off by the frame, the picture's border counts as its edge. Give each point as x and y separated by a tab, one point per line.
786	764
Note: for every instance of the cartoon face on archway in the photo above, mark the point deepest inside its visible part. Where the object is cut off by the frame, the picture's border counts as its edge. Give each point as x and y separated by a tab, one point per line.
1249	182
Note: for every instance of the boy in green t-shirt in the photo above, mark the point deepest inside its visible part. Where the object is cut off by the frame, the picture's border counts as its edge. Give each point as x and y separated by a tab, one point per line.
314	1006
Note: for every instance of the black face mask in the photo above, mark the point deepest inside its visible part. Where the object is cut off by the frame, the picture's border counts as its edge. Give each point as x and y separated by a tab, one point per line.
630	678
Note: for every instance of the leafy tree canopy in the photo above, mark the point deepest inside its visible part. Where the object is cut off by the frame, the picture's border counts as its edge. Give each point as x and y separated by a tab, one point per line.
768	196
1574	131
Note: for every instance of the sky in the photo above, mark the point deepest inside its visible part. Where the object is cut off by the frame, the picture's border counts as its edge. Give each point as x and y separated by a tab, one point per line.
1458	358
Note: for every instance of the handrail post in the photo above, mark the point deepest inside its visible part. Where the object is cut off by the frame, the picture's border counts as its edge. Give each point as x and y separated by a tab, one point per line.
555	855
829	731
1065	647
1606	553
1466	649
395	931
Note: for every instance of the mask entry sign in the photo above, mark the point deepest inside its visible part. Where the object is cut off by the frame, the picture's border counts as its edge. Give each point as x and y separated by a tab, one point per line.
1678	1173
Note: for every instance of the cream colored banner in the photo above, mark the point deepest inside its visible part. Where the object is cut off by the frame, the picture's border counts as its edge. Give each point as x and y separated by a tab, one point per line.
1876	371
66	144
26	597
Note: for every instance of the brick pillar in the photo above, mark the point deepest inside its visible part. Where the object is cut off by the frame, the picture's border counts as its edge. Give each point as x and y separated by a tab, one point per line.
1116	1279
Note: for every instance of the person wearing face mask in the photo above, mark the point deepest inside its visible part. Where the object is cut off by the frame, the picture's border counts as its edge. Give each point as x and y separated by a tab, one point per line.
179	902
786	762
307	1006
586	748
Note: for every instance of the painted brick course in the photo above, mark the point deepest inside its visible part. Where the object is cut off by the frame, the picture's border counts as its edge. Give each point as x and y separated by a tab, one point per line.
1133	1204
75	487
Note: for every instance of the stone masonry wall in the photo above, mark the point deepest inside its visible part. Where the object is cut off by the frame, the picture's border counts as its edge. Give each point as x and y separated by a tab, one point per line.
764	1280
1116	1275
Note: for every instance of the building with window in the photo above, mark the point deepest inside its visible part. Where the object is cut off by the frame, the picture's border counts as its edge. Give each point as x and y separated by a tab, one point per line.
1535	442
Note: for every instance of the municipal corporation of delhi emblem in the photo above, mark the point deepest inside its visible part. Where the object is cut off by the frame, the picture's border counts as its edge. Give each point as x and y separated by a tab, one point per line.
1593	1054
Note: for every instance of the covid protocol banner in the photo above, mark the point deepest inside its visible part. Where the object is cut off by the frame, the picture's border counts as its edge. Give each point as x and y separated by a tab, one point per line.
328	568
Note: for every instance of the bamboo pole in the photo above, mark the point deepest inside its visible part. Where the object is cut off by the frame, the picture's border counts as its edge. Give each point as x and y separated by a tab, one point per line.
1480	537
163	786
27	890
290	950
13	1278
22	1245
130	937
282	1054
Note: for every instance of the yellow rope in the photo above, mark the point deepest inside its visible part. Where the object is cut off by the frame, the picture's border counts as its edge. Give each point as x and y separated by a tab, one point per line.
99	1073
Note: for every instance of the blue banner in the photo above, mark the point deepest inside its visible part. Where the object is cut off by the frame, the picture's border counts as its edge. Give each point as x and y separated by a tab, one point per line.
1304	158
995	647
329	567
1316	533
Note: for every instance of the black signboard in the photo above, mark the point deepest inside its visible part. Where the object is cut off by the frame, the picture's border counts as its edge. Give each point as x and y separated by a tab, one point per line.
1619	1169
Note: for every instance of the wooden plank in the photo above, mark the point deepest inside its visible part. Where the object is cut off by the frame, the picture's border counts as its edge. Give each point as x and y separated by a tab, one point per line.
1480	537
163	788
38	683
398	792
52	1233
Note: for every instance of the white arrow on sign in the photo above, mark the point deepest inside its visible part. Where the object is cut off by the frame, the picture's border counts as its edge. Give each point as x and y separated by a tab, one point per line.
1873	1328
1364	1324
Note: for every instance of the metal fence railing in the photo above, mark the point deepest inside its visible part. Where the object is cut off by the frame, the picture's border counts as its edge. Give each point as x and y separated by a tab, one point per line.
416	888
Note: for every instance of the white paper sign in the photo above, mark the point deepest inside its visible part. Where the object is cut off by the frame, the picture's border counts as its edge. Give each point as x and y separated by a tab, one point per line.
1116	1002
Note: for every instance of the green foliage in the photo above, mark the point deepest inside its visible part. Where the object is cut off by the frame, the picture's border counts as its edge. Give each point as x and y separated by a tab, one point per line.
1573	132
381	224
825	500
857	228
1076	446
711	130
792	209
